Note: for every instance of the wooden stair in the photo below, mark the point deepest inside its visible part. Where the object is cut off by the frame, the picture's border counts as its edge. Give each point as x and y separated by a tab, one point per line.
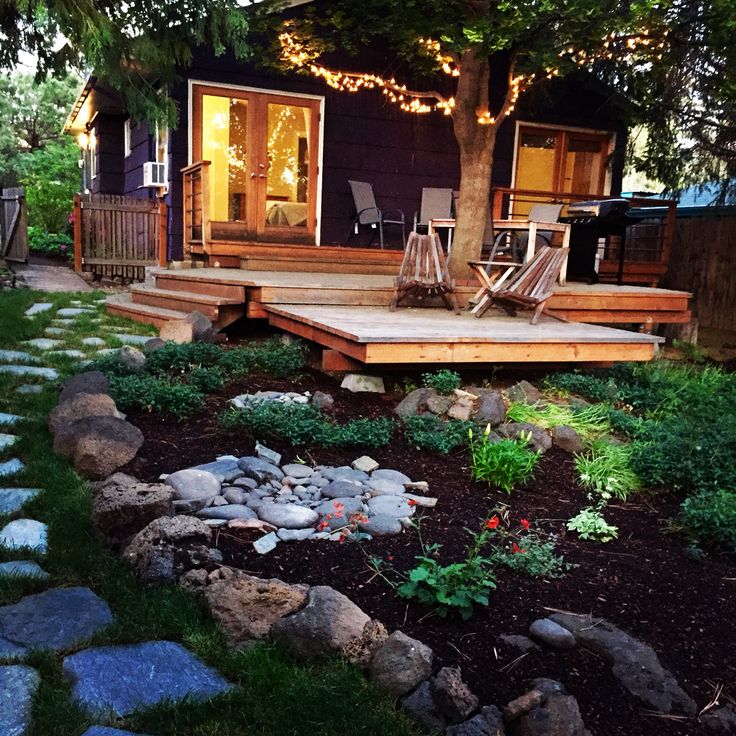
173	299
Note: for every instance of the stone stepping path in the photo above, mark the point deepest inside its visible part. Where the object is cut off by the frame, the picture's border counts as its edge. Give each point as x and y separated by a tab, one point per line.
27	370
122	679
64	322
107	731
75	311
7	440
13	499
132	339
29	388
22	569
11	467
18	684
93	341
25	533
13	356
8	420
38	308
69	354
55	619
55	331
43	343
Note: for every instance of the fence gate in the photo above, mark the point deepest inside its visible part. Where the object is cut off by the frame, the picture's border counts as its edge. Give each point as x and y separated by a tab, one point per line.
13	225
116	235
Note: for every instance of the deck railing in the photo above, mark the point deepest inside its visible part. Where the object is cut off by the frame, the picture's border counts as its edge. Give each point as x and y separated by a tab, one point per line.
197	224
648	242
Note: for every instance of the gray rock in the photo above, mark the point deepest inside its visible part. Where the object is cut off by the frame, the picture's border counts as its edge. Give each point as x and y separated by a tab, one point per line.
107	731
55	331
452	696
43	343
350	506
721	720
228	511
225	468
29	388
55	619
538	440
461	410
260	470
517	641
50	374
396	506
393	475
365	464
93	342
266	543
438	404
122	679
18	684
381	525
17	356
524	392
491	409
341	489
344	472
11	467
297	470
74	311
22	569
384	487
330	622
489	722
420	706
133	359
358	383
294	535
288	516
79	407
152	345
132	339
37	308
121	511
248	483
323	401
414	402
236	495
25	533
428	502
13	499
220	501
548	687
89	382
558	715
192	484
634	664
567	439
202	328
265	453
400	664
551	634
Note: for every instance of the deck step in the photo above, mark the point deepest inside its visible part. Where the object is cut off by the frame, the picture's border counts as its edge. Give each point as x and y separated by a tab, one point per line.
192	283
144	313
341	265
182	301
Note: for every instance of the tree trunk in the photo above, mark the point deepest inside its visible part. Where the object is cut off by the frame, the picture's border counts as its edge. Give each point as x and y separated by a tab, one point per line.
476	144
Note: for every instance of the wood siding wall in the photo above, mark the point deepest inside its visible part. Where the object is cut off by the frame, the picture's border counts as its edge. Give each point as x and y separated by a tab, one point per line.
703	261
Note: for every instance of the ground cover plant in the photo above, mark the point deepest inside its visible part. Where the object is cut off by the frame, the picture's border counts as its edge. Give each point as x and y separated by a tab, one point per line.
506	463
444	381
327	695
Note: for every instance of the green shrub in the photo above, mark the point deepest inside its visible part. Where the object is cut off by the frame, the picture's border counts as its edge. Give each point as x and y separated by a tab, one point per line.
174	358
710	519
505	463
271	356
206	380
625	422
532	556
444	381
369	432
155	394
429	432
606	470
591	387
50	244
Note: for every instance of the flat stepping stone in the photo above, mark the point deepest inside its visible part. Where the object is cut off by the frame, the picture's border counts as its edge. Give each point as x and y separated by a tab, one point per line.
37	308
55	331
107	731
25	533
7	440
13	499
22	569
43	343
16	356
9	419
18	684
29	388
74	311
55	619
69	354
122	679
29	370
132	339
11	467
63	322
108	351
93	342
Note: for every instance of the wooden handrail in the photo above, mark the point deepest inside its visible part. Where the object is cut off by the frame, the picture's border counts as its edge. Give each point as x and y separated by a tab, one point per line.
195	166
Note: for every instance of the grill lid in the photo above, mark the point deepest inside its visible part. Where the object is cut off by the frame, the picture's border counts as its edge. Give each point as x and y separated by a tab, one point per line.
601	208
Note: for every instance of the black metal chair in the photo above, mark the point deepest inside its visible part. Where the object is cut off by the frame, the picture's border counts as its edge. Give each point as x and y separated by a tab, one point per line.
368	214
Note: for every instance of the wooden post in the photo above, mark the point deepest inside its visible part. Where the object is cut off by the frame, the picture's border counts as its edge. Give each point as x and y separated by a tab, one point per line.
162	233
497	204
77	233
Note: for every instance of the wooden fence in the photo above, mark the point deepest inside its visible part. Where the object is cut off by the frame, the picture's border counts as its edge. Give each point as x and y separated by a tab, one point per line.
703	261
13	225
118	236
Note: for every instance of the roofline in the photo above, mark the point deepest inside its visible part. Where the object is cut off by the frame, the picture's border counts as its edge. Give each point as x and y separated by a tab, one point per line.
82	95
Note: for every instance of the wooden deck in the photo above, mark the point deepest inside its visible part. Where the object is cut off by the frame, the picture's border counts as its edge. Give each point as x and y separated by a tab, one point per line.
348	313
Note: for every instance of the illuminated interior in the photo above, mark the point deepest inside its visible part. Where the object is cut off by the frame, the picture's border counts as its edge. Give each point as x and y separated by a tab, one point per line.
535	167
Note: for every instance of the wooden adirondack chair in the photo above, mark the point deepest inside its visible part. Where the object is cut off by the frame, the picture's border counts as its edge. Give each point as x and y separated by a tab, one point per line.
424	273
529	288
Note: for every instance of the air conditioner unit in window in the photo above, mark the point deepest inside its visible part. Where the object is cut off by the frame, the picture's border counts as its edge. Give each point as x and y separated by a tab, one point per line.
155	174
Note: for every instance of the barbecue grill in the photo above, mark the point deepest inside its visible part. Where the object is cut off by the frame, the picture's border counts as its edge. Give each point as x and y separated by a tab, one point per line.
589	222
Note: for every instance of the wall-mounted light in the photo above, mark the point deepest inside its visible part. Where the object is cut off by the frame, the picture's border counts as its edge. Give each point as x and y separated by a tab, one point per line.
83	141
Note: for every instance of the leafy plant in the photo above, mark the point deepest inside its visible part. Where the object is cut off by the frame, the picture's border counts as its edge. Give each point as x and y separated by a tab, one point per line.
690	351
591	525
155	394
429	432
505	463
175	358
589	423
590	386
206	380
533	556
52	244
271	356
710	518
444	381
606	468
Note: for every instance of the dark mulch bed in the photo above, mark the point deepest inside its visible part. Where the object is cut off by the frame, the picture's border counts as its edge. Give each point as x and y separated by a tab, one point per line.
645	582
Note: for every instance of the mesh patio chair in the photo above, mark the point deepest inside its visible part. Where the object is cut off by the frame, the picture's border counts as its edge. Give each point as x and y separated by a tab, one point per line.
436	205
368	214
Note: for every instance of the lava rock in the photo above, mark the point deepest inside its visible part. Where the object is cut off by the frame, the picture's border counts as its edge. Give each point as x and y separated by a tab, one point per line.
452	696
491	409
414	402
89	382
421	707
539	440
400	664
132	359
524	392
567	439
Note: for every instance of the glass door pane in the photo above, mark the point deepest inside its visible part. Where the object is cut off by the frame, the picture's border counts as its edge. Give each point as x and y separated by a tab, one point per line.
288	152
225	145
535	168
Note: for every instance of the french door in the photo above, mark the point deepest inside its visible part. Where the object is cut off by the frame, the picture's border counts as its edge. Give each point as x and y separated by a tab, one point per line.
263	154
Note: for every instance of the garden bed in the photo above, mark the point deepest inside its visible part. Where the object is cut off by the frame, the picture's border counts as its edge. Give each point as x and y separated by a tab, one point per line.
646	582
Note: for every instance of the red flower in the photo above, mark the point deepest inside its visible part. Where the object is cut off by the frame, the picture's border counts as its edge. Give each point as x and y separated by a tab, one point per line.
338	506
322	526
524	523
492	523
412	502
390	558
516	550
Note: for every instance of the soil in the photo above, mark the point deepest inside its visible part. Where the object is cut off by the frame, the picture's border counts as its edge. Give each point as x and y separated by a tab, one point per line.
646	582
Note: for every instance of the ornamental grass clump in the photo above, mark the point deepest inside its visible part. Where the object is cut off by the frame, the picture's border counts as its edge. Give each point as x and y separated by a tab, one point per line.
506	463
590	422
606	470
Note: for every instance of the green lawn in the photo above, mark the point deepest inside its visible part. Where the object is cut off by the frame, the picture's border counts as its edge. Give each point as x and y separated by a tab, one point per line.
275	696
